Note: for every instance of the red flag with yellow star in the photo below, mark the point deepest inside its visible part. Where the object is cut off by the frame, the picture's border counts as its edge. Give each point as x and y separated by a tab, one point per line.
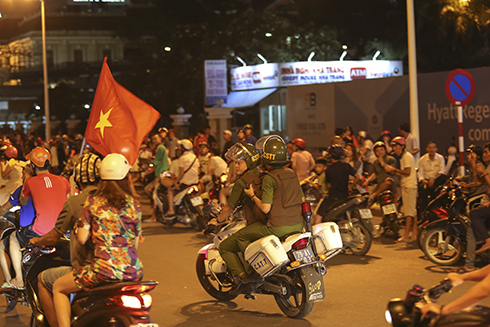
119	120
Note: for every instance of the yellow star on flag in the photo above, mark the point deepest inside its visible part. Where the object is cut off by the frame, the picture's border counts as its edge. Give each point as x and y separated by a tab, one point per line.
104	121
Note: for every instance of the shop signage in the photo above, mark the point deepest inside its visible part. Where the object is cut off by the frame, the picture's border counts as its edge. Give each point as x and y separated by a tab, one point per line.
216	81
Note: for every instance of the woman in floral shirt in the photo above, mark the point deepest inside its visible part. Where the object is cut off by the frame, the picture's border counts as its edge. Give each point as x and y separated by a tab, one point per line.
112	219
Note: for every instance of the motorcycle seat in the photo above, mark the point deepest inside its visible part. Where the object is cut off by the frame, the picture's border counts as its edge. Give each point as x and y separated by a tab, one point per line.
283	239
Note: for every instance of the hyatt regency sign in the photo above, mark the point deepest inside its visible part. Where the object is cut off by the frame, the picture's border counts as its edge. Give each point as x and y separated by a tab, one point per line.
114	2
311	72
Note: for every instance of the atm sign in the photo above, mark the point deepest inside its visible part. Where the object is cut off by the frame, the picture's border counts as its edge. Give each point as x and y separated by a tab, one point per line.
358	73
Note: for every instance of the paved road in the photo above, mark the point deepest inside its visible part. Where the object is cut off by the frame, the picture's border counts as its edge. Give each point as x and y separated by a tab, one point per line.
357	288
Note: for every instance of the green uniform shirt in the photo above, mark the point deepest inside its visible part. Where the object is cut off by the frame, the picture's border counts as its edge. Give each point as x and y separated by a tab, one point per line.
237	193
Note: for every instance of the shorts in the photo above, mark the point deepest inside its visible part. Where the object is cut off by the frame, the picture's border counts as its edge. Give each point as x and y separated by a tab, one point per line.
409	198
25	234
49	276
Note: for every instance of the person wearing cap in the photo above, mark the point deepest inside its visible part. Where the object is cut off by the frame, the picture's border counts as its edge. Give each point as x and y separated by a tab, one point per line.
408	183
432	172
249	138
86	176
199	138
111	218
228	143
48	193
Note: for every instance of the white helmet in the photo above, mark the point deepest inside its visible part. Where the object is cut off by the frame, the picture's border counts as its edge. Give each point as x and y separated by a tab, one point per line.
114	167
186	144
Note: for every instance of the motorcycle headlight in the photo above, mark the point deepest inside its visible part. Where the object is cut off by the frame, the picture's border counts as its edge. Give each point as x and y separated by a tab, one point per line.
396	312
223	178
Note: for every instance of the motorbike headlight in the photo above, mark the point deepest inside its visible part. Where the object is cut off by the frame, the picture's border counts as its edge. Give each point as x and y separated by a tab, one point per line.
388	317
223	178
396	312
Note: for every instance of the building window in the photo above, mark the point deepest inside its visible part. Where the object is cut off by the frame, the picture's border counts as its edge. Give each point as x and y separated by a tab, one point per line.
50	58
107	53
78	55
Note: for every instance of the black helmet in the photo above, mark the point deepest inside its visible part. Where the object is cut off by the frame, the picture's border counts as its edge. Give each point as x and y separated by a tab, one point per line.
336	151
379	144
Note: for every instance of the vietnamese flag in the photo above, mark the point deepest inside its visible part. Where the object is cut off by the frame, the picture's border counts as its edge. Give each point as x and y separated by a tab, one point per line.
119	121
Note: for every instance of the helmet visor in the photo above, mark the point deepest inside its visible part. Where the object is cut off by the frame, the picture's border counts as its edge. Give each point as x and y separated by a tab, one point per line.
238	152
263	140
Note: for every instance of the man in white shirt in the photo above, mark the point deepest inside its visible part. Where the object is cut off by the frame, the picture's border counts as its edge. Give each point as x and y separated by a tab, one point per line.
189	167
432	170
412	143
408	183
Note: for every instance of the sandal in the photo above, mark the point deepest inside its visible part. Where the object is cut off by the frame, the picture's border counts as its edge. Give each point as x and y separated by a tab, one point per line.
6	285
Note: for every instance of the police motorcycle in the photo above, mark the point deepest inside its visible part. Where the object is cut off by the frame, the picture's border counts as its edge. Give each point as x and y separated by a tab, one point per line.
405	312
290	268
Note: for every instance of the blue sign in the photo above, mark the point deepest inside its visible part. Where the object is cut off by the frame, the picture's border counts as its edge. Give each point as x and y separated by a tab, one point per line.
460	87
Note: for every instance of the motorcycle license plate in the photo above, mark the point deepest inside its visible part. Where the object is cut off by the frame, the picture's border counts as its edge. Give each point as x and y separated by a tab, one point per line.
197	201
305	255
389	208
365	213
144	325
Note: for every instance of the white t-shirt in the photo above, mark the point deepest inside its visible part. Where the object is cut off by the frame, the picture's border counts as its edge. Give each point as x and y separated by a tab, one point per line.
174	168
409	181
412	144
204	161
218	165
192	175
369	156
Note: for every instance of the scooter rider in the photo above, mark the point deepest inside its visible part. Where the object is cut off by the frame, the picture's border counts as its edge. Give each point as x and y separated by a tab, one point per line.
475	295
87	179
281	201
247	159
338	177
385	180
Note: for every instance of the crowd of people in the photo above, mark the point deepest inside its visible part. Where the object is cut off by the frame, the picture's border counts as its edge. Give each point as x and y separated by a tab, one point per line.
104	214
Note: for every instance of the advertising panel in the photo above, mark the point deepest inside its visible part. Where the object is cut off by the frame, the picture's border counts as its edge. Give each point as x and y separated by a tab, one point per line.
216	81
314	72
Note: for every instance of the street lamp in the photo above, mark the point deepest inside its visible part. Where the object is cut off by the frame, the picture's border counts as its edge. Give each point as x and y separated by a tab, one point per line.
262	58
45	73
311	55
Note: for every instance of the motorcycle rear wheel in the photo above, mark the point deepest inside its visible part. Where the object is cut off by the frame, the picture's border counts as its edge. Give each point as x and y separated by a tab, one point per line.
365	241
433	244
295	306
211	286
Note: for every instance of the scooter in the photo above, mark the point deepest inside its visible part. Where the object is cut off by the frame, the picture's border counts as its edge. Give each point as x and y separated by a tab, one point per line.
391	221
187	206
117	304
353	216
405	313
290	268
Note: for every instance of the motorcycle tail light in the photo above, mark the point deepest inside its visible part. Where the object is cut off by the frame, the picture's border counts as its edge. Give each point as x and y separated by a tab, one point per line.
305	207
130	301
300	244
385	200
147	300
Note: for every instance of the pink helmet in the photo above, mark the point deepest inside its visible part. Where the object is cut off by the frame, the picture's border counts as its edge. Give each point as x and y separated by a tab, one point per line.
398	140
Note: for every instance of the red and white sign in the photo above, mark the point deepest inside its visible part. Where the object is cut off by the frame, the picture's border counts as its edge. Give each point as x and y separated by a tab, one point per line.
314	72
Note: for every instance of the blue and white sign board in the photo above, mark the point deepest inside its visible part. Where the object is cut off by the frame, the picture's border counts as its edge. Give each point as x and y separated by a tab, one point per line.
216	81
460	87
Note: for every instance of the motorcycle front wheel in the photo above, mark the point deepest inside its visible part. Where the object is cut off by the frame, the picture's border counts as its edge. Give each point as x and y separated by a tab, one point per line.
211	286
437	251
295	306
361	239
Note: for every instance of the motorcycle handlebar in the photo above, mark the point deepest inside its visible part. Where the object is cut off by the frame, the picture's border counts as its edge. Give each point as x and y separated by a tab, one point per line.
443	287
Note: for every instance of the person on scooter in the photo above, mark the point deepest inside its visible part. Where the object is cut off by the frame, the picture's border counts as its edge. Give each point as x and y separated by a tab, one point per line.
474	296
11	174
479	215
27	214
87	178
188	175
385	180
111	218
337	175
302	161
48	193
247	159
281	202
408	183
432	172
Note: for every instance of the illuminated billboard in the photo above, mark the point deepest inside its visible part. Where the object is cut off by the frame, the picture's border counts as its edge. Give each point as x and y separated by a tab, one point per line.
110	2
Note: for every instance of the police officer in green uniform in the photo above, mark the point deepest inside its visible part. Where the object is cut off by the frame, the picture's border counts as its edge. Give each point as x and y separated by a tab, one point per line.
281	202
247	159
